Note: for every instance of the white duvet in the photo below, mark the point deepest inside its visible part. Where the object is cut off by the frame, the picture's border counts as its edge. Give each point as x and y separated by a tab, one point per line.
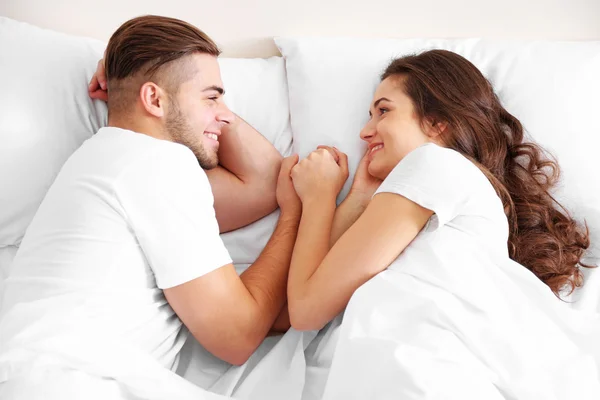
430	335
403	336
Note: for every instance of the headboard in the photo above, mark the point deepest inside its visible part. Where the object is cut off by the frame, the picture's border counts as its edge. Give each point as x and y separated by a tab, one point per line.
245	28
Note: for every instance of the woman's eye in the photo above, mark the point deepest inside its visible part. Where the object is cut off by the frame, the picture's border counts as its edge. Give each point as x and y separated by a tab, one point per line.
383	110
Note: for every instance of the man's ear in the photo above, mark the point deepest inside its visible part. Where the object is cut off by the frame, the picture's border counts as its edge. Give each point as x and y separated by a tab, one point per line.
153	99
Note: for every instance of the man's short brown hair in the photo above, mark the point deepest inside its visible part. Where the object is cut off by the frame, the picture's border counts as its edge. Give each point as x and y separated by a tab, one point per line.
151	48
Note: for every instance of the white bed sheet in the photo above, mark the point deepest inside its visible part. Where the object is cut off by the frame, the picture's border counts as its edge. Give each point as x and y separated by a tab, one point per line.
7	254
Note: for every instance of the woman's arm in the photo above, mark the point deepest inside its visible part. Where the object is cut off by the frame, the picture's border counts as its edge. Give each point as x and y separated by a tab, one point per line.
321	283
363	187
346	214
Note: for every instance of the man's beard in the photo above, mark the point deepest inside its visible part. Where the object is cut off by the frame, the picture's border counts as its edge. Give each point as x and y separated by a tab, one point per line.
182	133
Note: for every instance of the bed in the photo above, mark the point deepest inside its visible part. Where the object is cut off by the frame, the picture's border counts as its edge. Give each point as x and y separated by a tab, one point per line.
548	79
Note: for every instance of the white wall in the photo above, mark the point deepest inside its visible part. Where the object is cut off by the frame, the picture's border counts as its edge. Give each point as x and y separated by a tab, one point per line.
244	28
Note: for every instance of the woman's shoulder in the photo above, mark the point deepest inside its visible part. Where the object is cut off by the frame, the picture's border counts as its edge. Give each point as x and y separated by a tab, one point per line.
444	173
436	154
434	162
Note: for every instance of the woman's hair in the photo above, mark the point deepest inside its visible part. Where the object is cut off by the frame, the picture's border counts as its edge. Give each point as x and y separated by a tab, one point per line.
445	87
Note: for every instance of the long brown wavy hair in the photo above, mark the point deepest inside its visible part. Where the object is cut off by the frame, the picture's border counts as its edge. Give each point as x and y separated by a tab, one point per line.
446	87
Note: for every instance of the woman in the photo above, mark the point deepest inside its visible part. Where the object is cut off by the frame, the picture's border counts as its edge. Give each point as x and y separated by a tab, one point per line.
462	195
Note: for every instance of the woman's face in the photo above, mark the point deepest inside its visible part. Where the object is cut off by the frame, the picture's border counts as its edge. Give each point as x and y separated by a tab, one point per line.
393	130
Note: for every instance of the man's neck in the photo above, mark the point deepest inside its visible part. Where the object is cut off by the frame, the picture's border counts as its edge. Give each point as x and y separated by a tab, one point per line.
140	126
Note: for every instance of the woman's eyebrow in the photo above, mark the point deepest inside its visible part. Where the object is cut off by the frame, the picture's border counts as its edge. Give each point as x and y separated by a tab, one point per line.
380	100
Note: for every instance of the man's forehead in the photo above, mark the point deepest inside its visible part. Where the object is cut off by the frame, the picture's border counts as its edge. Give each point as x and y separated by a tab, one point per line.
207	68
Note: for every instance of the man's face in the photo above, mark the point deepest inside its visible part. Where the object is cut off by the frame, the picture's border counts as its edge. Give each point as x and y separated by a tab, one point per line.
197	112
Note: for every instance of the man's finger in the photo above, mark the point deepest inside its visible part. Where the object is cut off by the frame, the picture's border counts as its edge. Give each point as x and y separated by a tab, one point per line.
99	95
93	83
288	163
101	74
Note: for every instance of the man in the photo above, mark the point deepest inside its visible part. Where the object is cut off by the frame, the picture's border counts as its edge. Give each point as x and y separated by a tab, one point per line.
125	246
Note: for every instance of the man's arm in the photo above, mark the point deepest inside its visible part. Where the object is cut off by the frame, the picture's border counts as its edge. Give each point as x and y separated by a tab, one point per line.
282	323
244	183
230	315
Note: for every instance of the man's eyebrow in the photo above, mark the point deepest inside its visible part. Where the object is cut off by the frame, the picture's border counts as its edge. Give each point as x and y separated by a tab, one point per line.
215	88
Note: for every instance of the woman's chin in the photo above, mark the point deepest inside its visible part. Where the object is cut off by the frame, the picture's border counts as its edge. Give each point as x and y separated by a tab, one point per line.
375	170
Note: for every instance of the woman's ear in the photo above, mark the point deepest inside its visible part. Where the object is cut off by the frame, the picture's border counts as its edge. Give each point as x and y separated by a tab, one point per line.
435	128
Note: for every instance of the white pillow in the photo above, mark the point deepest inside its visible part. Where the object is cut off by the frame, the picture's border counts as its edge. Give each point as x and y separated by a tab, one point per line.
47	114
552	87
257	91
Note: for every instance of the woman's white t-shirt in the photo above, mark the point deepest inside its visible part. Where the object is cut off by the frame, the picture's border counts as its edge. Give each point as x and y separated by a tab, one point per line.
453	316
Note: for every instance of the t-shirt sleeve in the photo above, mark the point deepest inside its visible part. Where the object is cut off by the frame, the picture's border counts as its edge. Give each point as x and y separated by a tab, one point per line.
169	205
435	178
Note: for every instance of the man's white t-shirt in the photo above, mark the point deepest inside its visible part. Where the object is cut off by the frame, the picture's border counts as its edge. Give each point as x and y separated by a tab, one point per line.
127	216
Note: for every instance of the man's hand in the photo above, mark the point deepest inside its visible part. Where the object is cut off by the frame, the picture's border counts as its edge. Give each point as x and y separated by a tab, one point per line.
98	88
287	198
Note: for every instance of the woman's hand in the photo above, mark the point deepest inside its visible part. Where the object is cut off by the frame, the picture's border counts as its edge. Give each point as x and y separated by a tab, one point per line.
364	184
321	175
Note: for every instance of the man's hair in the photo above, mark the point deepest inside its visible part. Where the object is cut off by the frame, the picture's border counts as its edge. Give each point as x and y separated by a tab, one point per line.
151	48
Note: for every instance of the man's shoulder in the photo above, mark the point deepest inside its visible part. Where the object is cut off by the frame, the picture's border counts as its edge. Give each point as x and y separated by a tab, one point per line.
132	158
127	149
132	142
